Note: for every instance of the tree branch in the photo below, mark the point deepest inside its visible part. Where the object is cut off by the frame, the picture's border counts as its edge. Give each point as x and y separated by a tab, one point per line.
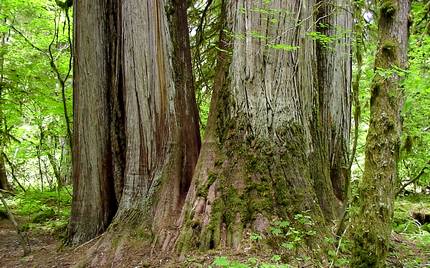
422	172
23	238
27	40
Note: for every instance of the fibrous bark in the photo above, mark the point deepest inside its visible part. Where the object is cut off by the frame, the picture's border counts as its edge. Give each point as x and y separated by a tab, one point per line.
136	123
97	150
277	135
334	20
162	131
261	158
372	225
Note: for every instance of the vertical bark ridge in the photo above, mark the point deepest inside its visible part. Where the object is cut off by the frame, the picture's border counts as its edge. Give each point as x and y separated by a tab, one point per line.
162	131
332	121
256	163
94	198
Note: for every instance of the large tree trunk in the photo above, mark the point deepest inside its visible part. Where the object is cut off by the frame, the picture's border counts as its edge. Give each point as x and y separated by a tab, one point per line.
163	139
136	122
334	80
277	136
98	130
372	226
278	131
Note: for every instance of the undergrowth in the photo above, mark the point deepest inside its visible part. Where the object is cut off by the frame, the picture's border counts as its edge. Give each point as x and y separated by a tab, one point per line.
46	211
410	242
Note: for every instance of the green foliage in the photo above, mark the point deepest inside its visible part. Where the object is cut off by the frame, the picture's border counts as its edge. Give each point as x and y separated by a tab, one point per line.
403	222
293	236
323	39
416	112
225	262
35	49
204	18
412	240
46	210
285	47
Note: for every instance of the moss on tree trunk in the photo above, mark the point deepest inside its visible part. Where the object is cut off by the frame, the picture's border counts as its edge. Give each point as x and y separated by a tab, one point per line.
261	160
372	226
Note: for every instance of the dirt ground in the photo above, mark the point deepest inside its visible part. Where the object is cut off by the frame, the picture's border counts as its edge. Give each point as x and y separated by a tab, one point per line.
45	250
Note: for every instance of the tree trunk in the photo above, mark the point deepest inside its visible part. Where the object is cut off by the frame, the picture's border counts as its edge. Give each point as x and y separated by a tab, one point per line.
98	129
372	225
4	183
163	139
153	139
278	131
277	136
334	80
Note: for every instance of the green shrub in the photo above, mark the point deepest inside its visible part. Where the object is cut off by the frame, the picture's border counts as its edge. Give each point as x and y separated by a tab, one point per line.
43	216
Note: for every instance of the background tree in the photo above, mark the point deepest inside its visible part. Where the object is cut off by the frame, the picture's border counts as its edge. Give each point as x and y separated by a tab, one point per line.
372	227
35	53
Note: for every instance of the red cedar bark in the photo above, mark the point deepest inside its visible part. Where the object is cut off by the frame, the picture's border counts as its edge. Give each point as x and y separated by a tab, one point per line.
260	159
96	184
136	122
371	228
162	130
334	80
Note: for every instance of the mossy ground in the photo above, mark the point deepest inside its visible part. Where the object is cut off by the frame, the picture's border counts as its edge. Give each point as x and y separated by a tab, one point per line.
410	240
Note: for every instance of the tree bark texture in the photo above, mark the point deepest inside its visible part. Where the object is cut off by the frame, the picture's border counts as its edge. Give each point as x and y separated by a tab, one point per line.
4	183
162	130
334	20
136	132
98	130
372	225
278	131
276	140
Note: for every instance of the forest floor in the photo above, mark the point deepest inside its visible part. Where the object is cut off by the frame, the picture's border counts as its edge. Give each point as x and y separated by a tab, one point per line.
410	246
46	249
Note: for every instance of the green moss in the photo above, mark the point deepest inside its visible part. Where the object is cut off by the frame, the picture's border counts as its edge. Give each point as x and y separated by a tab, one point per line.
235	204
186	239
212	233
143	233
43	216
389	47
388	8
253	176
202	190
